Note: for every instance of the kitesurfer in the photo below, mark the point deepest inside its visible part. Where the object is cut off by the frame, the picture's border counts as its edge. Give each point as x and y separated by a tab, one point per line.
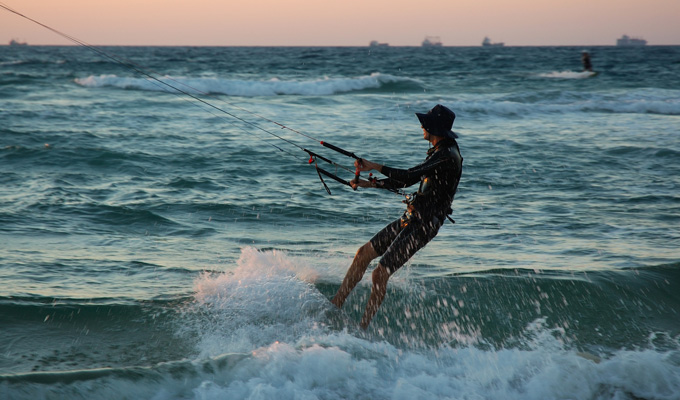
585	60
426	212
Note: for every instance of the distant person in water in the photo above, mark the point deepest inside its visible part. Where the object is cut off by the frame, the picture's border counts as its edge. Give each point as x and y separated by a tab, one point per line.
585	59
426	212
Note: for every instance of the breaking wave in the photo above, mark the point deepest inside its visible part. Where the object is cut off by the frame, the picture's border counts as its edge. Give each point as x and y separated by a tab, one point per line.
249	88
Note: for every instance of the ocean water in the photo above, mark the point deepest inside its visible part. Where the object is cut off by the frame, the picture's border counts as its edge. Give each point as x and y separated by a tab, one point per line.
165	245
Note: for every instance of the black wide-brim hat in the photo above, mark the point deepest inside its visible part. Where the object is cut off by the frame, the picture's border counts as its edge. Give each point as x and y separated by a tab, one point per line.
438	121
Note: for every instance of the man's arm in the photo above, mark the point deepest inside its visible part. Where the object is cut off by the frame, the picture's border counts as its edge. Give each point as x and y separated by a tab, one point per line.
408	177
397	178
366	165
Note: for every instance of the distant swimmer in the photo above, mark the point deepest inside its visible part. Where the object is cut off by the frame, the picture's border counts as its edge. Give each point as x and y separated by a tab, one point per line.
585	59
426	212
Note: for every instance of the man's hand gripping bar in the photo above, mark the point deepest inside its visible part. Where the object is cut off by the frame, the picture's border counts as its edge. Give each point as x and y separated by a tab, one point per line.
348	154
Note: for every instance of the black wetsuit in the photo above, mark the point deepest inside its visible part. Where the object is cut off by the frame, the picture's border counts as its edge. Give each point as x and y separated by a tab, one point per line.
587	65
439	176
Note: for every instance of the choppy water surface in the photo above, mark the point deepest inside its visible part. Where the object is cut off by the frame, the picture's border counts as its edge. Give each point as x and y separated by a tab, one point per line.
154	246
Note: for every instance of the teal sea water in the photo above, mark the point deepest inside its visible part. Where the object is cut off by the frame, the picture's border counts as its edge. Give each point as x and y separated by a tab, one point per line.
153	246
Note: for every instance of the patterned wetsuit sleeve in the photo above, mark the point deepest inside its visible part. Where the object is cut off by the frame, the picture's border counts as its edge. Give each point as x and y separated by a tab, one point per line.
401	178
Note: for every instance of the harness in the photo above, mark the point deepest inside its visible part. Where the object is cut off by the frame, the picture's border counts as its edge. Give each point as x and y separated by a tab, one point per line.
426	186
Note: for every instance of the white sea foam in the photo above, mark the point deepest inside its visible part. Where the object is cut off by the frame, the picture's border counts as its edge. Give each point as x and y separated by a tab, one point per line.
343	366
568	74
267	298
240	87
11	62
267	309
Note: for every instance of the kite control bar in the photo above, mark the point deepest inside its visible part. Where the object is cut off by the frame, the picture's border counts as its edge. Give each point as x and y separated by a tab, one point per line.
313	156
346	153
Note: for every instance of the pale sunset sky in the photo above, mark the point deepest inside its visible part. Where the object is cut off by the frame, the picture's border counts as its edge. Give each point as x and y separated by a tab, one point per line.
342	22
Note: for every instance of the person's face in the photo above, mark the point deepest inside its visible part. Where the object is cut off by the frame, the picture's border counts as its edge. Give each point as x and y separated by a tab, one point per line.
426	134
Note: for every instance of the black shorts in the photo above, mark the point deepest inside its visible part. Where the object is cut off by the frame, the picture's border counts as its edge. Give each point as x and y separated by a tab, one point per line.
397	243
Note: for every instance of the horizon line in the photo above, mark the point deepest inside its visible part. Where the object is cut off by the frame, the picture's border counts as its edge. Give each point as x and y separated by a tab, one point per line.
320	45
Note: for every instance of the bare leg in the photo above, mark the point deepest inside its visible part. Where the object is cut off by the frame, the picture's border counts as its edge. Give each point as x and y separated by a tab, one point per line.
378	291
364	256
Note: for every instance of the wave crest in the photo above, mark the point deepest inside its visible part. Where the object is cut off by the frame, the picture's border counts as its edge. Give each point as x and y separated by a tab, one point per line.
568	74
239	87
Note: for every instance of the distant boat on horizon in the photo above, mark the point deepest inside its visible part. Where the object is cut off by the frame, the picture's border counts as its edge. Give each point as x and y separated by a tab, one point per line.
375	43
626	40
15	42
432	41
487	43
